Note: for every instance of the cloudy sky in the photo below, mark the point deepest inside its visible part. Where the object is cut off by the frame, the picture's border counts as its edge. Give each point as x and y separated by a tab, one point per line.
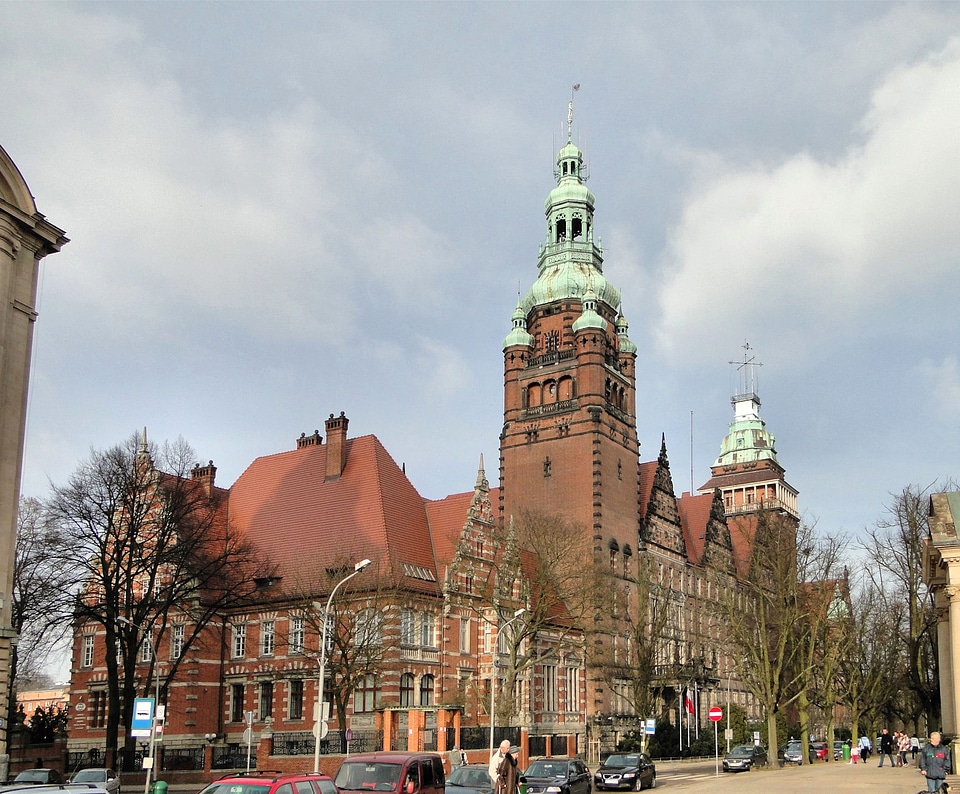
282	210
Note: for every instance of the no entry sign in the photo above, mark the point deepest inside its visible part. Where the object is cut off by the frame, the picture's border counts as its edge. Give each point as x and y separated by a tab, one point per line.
716	713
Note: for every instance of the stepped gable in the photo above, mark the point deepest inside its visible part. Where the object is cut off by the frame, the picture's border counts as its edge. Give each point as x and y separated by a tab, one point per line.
307	522
660	524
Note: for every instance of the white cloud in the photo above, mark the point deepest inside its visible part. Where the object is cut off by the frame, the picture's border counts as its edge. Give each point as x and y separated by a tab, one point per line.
809	247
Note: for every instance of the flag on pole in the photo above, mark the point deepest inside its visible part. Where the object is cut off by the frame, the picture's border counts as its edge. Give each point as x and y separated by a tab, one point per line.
687	701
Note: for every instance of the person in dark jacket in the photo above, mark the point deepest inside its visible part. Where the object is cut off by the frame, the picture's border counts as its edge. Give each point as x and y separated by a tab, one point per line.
508	777
886	747
934	763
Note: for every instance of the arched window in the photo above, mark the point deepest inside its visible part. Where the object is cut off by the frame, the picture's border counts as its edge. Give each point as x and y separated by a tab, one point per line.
406	690
426	690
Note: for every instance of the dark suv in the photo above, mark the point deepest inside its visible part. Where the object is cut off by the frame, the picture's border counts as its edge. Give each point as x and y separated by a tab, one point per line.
272	783
398	773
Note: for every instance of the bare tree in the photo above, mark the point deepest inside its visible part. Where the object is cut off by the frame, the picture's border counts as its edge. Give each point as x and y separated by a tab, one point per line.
40	614
152	545
766	617
895	550
541	563
634	623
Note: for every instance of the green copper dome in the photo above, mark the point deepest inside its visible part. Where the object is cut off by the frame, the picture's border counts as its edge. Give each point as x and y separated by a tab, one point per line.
626	344
589	317
747	439
519	335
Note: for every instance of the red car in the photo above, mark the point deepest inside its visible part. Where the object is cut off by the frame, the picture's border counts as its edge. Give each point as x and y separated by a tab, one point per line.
272	783
819	749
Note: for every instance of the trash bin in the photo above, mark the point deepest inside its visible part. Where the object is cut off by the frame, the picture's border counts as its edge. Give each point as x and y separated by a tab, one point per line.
159	787
846	751
523	787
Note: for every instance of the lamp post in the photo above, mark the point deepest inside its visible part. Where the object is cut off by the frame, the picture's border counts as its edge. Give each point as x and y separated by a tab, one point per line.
323	660
493	676
156	701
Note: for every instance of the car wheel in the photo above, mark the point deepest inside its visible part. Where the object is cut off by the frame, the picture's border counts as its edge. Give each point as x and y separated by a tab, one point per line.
653	781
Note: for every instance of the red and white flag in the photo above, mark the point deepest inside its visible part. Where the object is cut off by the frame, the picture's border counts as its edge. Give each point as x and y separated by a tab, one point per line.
688	701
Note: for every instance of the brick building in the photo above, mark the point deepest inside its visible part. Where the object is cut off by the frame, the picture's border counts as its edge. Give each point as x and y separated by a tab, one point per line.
568	447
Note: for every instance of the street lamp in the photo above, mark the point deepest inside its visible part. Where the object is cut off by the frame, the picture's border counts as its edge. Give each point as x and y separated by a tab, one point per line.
323	661
493	676
156	700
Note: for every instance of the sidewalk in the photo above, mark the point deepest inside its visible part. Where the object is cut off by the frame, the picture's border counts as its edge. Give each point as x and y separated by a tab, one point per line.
819	778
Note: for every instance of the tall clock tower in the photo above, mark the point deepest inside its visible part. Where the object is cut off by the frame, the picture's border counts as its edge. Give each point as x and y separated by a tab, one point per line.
569	441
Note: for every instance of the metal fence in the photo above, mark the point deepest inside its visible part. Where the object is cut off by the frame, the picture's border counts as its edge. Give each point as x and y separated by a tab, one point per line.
188	758
233	756
303	743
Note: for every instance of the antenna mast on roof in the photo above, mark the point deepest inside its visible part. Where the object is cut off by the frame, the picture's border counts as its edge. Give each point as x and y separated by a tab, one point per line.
746	368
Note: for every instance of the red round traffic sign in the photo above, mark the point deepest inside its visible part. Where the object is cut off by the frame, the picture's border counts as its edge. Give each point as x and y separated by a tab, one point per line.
716	713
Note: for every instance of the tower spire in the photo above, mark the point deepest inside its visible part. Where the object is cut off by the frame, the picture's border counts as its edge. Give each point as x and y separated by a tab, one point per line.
576	88
747	370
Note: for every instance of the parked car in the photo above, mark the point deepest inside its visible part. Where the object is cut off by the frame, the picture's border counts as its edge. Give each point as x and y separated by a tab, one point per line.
557	776
399	773
39	776
470	779
272	783
819	750
792	753
837	750
744	757
106	779
630	771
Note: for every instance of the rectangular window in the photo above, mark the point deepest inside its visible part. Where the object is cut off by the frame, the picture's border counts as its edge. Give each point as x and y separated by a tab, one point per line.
146	649
98	709
268	637
236	703
86	652
573	689
426	630
239	646
369	628
365	695
296	635
266	700
406	627
549	688
176	641
296	699
464	635
331	632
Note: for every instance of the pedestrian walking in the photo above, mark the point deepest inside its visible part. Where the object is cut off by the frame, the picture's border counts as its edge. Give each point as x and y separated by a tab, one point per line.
904	748
935	763
886	747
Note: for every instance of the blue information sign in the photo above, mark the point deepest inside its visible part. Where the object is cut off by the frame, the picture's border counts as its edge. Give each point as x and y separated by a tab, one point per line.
142	717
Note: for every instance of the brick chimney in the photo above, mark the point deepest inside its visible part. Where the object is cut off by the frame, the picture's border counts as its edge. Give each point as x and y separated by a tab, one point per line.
336	428
205	475
309	441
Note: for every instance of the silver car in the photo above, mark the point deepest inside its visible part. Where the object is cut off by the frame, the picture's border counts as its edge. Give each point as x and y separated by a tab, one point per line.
106	779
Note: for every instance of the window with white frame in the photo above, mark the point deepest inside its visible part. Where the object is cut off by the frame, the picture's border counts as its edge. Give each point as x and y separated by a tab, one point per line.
268	637
406	627
426	630
238	648
86	652
266	699
177	636
296	699
464	635
296	635
369	628
146	649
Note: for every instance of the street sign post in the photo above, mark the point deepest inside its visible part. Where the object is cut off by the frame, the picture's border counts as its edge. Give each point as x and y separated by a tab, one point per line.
716	714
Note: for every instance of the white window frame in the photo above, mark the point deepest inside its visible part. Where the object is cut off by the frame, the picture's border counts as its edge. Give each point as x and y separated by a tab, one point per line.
238	644
268	637
86	651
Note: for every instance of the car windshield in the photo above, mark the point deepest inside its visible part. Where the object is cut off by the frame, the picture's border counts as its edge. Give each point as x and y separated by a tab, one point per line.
473	776
246	787
90	776
37	775
623	760
547	769
741	749
368	776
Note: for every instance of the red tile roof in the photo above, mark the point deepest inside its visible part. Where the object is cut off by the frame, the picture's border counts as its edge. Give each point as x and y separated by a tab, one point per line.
306	525
694	516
